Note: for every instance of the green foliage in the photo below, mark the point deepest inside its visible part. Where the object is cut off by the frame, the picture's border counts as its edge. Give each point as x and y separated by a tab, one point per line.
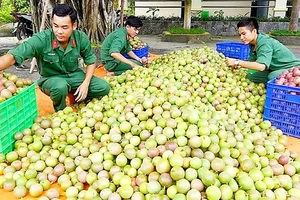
172	18
22	6
285	33
218	16
5	10
131	8
9	6
273	19
180	30
96	44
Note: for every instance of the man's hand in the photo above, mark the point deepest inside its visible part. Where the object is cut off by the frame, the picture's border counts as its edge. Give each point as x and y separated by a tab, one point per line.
146	61
81	92
231	63
133	65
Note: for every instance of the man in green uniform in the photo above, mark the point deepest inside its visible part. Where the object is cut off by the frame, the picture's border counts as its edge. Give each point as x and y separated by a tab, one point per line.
267	55
117	43
57	51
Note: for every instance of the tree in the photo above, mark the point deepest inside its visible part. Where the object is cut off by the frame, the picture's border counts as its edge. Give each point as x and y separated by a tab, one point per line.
187	14
294	15
95	17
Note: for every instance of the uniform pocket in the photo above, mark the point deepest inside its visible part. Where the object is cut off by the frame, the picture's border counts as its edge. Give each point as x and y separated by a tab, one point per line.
73	59
51	58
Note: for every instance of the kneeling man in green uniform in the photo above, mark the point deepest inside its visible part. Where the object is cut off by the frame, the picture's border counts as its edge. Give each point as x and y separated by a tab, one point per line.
267	55
57	51
117	43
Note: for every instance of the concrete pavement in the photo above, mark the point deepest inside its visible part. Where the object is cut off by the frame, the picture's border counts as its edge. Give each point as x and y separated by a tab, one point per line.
154	41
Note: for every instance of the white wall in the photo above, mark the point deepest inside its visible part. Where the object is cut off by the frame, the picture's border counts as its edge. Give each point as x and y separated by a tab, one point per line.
197	5
228	11
165	12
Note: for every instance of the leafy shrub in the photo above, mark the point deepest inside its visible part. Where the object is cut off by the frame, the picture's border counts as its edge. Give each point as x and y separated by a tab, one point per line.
22	6
9	6
179	30
218	16
5	16
171	18
285	33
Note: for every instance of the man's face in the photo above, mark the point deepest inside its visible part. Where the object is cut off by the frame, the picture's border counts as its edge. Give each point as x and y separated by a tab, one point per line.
246	35
63	28
133	31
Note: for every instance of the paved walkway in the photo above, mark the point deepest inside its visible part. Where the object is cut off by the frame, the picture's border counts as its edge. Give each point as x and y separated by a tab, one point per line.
159	47
154	41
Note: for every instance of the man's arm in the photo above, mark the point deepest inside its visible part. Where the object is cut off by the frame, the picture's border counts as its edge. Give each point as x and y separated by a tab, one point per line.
131	54
122	59
245	64
82	90
263	59
6	61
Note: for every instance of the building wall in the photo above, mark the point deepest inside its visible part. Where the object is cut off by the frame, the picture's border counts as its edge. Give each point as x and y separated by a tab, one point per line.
197	6
163	12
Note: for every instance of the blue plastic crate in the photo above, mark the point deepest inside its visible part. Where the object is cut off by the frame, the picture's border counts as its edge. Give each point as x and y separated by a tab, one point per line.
282	108
143	52
16	114
234	50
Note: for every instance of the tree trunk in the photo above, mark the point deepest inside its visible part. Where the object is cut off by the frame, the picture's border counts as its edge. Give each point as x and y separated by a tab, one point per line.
187	14
37	8
294	15
122	14
0	3
95	17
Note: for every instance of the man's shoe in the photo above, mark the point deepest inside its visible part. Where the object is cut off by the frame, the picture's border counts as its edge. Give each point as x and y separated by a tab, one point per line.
22	68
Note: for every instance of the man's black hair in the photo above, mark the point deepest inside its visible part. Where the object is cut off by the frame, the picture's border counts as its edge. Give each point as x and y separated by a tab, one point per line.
63	10
134	22
250	23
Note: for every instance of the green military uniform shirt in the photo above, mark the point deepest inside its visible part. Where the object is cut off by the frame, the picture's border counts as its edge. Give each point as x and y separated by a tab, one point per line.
272	53
116	42
52	59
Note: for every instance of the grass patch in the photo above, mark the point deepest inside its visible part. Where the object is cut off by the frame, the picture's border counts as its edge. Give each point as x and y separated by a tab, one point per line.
96	44
180	30
285	33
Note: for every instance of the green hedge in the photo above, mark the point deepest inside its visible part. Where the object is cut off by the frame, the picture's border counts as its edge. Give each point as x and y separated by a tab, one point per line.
285	33
179	30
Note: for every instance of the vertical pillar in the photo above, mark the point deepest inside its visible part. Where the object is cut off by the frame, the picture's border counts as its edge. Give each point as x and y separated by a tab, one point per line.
280	8
187	14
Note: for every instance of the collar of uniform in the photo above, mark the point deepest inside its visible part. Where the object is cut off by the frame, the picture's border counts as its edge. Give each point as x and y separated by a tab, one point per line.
71	44
72	39
124	30
55	42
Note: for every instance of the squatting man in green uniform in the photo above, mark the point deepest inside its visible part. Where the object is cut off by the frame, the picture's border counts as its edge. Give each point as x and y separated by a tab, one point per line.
116	44
267	55
57	51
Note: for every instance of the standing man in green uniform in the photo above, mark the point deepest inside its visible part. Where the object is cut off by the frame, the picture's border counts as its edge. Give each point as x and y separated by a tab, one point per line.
117	43
267	55
57	51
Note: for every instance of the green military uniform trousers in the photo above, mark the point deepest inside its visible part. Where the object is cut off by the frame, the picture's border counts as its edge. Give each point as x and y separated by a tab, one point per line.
119	67
265	76
57	87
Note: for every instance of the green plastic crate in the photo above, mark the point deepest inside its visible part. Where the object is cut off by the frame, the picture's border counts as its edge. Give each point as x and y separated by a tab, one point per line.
16	114
205	15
